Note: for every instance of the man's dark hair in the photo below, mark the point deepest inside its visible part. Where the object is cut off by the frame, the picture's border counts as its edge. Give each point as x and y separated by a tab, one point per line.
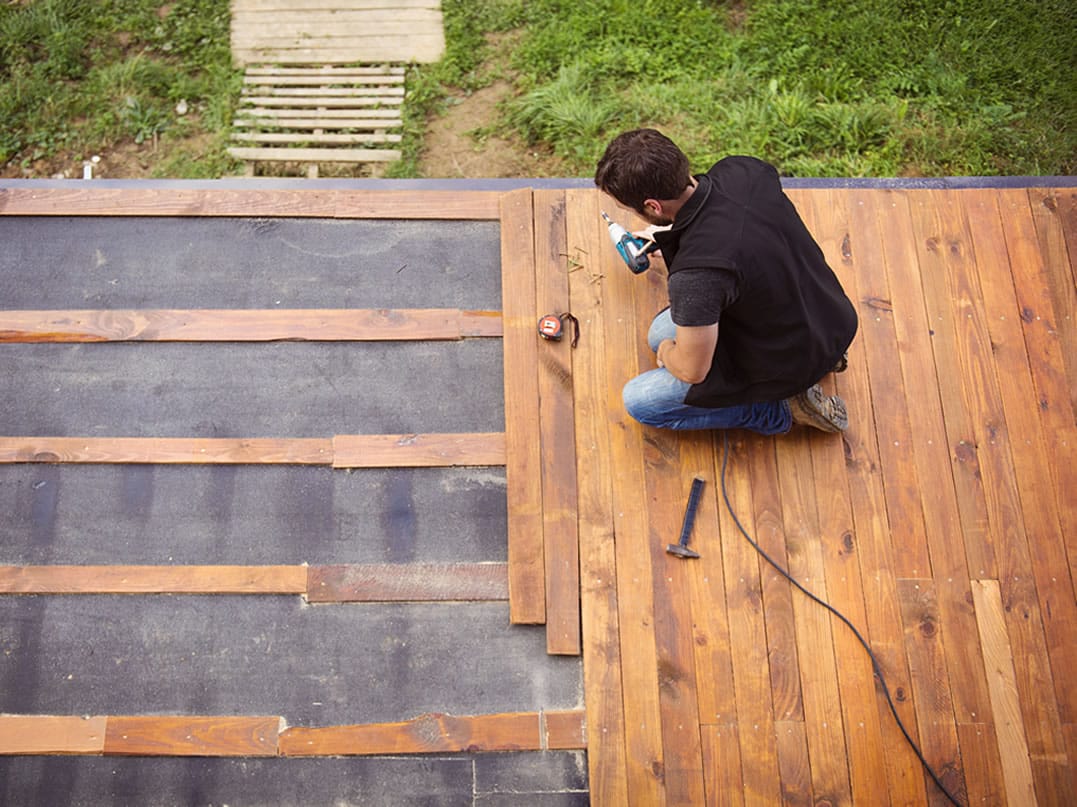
642	164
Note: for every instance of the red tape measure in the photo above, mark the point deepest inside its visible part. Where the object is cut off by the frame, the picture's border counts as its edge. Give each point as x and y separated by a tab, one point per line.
552	327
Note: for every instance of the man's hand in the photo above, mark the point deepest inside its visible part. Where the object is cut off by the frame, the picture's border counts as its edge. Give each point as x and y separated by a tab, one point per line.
689	356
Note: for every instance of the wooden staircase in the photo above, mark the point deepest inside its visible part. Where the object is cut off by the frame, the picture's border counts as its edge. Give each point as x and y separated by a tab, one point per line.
324	79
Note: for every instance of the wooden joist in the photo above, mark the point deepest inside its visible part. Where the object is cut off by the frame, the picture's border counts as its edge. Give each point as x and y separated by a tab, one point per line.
248	325
88	200
341	451
363	582
267	736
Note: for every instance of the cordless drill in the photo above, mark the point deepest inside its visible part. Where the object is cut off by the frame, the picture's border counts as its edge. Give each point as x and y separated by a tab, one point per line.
633	250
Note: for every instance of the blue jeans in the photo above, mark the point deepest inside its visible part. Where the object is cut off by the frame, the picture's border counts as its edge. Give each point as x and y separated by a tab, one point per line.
656	398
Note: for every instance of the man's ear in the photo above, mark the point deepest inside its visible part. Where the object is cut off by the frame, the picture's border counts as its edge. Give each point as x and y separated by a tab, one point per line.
652	206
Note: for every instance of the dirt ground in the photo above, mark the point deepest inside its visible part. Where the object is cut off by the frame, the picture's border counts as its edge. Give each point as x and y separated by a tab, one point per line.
452	150
455	149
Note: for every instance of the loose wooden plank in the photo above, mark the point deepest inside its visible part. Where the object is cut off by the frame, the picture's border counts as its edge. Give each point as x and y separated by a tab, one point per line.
519	731
302	120
192	736
319	78
412	49
523	471
556	432
565	730
355	103
326	71
400	582
602	657
418	450
80	200
61	579
1002	684
253	325
317	95
168	450
46	734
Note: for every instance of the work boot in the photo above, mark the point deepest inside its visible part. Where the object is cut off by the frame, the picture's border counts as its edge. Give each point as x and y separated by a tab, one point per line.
842	365
815	408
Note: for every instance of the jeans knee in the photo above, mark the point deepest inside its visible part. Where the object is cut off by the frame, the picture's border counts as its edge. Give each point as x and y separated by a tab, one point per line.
634	401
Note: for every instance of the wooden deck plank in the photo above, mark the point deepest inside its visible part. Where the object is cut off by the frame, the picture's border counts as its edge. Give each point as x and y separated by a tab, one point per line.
932	451
829	217
556	432
253	325
943	252
883	496
527	586
764	667
565	730
1055	213
65	579
194	736
441	733
925	634
80	200
313	155
404	582
640	676
46	734
823	718
721	765
1041	610
1002	683
602	656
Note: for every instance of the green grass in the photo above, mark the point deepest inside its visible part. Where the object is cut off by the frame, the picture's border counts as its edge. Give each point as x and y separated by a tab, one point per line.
79	78
874	88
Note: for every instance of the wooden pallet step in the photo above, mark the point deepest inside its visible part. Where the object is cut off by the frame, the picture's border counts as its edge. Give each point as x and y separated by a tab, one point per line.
332	102
287	117
320	92
320	79
273	6
416	48
371	124
315	155
323	71
311	138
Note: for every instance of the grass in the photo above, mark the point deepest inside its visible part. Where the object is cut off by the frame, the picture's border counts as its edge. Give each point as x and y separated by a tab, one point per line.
80	78
873	88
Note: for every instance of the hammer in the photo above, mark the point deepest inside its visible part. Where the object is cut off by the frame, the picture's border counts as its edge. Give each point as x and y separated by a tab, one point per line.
681	549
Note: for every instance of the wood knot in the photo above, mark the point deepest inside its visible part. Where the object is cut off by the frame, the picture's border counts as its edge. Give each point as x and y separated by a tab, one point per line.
847	541
1027	314
932	244
846	248
928	628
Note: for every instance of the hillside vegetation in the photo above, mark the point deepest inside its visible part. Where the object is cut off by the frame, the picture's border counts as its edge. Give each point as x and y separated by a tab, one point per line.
872	88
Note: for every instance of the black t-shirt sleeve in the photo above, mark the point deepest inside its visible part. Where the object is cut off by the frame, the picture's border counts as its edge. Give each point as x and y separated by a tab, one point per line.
698	296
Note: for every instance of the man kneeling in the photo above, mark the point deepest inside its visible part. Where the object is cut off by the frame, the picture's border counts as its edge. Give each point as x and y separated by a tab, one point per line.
738	256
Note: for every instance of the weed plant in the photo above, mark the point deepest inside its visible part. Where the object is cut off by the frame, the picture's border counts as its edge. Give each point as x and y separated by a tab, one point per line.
872	88
77	78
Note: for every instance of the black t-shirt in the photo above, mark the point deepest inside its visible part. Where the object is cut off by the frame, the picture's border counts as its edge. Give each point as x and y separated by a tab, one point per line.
698	296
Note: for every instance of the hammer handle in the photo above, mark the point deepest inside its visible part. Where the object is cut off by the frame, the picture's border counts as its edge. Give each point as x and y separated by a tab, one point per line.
690	510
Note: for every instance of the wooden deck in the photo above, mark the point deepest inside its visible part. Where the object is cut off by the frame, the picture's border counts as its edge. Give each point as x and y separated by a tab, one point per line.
942	525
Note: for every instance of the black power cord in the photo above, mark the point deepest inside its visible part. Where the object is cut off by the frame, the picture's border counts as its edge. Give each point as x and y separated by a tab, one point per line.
863	642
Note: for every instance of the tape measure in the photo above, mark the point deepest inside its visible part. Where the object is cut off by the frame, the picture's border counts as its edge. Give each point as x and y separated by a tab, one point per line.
552	327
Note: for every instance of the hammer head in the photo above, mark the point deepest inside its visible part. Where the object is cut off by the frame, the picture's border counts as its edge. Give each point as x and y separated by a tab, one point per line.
681	551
